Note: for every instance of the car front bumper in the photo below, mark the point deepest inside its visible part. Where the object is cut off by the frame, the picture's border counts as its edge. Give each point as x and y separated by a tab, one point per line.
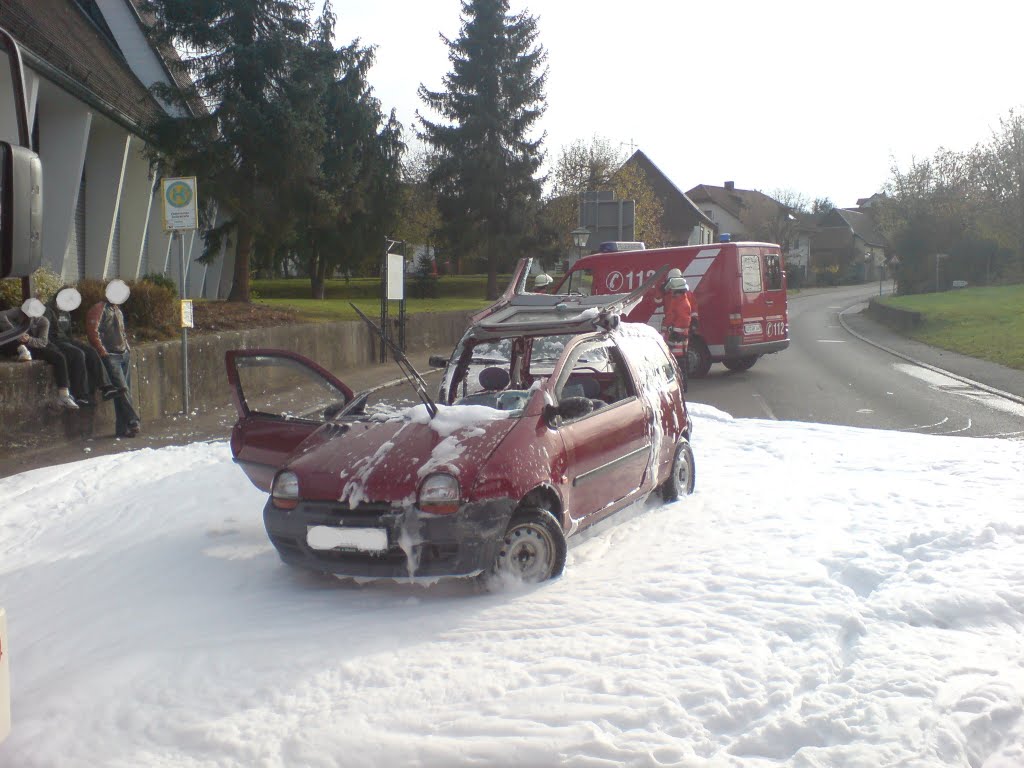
420	544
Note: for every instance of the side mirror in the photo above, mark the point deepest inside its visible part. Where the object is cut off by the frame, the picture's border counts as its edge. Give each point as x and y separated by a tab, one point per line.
437	361
21	182
21	211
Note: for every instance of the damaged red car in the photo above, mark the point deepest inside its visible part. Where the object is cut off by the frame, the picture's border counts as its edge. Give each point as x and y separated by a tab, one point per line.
551	415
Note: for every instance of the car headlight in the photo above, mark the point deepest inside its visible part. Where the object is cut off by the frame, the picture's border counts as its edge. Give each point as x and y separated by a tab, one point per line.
439	494
285	492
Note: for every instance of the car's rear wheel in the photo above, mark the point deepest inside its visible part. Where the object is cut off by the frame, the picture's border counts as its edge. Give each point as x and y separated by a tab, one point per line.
532	549
684	473
740	363
698	358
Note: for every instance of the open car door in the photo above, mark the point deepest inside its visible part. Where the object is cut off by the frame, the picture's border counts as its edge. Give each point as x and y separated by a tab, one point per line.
281	398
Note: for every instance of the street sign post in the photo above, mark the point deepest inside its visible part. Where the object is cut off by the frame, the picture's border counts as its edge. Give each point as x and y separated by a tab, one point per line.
179	205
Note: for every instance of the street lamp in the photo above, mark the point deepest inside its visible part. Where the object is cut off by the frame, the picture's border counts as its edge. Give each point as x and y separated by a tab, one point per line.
580	235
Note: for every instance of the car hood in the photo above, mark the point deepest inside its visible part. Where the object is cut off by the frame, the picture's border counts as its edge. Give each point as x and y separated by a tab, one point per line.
386	461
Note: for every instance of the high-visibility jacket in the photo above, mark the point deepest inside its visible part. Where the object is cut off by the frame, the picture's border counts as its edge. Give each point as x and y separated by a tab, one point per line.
680	312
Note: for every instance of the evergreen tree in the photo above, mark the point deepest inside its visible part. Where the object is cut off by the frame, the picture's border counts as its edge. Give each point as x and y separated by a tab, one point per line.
249	126
352	205
486	167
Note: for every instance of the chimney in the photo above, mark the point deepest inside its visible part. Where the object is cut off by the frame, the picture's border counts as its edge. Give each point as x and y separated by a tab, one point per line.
730	185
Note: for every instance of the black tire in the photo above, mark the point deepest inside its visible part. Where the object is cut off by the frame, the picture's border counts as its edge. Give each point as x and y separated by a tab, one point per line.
684	473
698	358
740	363
532	549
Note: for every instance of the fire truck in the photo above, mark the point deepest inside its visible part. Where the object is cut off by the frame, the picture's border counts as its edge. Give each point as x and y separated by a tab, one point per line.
740	289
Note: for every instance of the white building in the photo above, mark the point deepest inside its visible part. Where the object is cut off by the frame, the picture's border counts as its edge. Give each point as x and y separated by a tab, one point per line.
88	68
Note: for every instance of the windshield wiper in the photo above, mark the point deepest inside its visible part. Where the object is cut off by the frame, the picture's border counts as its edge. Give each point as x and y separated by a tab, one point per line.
411	375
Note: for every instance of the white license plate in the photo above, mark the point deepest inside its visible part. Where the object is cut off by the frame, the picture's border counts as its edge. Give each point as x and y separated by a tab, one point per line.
326	537
751	329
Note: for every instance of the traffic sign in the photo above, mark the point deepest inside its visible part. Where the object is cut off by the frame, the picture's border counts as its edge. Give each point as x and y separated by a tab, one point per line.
178	197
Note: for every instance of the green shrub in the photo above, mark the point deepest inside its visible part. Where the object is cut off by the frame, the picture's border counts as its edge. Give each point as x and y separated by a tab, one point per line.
10	293
45	284
151	311
163	281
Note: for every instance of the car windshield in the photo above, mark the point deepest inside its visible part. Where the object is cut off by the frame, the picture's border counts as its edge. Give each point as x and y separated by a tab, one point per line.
500	373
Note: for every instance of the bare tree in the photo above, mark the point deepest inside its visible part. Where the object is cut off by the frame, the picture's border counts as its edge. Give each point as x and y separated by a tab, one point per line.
581	166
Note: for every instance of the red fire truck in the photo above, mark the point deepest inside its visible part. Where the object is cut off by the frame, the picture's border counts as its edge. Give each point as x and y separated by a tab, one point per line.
740	289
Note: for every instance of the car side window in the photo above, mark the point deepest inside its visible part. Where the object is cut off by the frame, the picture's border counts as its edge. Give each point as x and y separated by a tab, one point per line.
597	372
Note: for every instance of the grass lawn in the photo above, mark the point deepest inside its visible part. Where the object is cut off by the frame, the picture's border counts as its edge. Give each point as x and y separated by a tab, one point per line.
981	322
330	310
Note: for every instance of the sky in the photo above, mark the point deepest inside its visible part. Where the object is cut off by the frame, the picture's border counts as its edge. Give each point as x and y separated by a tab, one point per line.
828	596
817	98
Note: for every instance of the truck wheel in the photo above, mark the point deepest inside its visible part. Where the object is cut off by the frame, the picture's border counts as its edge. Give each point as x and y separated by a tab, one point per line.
532	549
698	359
740	363
684	473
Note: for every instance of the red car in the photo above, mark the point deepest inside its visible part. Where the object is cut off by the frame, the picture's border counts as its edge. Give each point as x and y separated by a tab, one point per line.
551	415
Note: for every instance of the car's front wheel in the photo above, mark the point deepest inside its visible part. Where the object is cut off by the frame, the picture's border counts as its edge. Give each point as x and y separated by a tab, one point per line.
532	549
684	473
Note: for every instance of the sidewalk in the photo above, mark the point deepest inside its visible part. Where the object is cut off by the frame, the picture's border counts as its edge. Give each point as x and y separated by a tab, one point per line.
211	425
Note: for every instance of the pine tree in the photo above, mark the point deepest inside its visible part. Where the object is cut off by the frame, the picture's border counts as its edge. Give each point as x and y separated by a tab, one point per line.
487	163
352	205
247	124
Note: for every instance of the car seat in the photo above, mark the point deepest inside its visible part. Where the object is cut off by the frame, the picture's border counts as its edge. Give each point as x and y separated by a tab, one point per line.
584	386
494	378
592	391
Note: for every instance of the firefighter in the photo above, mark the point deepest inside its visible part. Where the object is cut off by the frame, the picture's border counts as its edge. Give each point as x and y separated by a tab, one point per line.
680	319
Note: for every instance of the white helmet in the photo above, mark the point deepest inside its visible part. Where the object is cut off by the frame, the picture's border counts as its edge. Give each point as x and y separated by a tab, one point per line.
542	280
672	277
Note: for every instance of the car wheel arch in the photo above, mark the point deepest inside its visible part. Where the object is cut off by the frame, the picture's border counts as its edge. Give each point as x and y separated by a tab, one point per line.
544	497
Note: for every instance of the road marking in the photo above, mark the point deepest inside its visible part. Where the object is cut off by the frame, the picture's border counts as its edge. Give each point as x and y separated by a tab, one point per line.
942	383
765	407
865	410
927	426
955	431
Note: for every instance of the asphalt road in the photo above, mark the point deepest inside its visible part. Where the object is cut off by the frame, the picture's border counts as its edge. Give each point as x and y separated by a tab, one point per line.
830	375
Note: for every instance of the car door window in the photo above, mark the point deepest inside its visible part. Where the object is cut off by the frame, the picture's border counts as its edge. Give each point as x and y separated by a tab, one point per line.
595	371
286	388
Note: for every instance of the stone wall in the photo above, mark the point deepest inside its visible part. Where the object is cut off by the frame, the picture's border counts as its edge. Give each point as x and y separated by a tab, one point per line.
899	319
27	389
